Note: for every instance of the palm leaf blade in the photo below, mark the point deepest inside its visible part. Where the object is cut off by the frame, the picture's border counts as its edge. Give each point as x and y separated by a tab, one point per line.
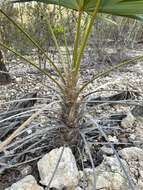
129	8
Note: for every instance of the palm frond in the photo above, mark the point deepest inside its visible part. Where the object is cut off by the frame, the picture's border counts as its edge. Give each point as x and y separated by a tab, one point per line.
128	8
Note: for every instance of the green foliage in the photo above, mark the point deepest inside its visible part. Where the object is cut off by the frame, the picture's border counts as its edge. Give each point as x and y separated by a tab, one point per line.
130	8
58	29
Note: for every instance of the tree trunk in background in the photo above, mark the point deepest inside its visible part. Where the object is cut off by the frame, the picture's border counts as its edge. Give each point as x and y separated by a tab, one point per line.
4	75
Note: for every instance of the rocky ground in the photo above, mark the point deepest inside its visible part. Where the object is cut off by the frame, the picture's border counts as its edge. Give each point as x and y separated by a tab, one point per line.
121	118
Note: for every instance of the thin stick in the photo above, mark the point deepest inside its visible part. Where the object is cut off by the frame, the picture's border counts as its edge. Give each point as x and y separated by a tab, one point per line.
91	160
19	114
16	132
56	167
103	90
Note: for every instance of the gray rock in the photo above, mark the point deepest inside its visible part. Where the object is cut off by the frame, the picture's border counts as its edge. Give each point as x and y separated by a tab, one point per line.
132	137
19	79
137	112
78	188
140	185
131	153
66	174
109	175
113	139
128	121
134	158
27	183
26	170
107	150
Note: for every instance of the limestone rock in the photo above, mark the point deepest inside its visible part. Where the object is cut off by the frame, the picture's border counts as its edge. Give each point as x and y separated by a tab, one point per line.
131	153
128	121
109	175
113	139
137	112
78	188
134	158
19	79
27	183
107	150
25	170
66	174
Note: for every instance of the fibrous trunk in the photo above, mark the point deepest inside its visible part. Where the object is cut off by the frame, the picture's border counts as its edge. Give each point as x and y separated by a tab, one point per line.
71	111
4	75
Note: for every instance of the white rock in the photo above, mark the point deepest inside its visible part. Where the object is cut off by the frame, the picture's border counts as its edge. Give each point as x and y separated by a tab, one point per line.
37	87
132	137
128	121
132	153
140	185
19	79
27	183
26	170
109	175
14	61
134	158
66	174
107	150
113	139
78	188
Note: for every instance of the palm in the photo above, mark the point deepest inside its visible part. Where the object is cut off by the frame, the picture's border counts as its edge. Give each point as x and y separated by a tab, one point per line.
129	8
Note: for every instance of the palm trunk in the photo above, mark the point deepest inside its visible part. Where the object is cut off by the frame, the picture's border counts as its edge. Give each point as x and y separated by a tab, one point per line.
71	113
4	75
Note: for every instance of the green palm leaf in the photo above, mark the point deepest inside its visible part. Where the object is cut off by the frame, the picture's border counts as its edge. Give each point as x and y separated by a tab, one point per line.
129	8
